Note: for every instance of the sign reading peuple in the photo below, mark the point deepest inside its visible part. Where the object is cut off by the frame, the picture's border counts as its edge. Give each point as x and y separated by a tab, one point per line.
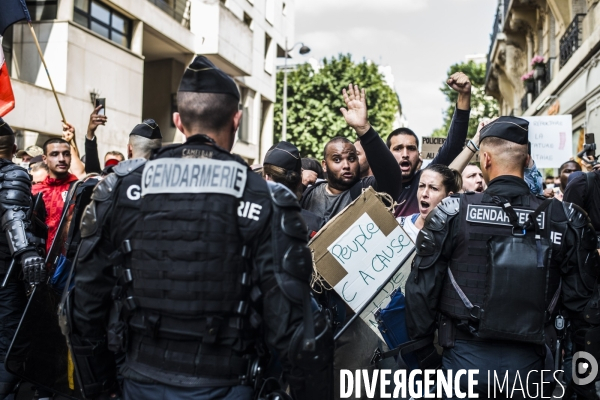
189	175
369	257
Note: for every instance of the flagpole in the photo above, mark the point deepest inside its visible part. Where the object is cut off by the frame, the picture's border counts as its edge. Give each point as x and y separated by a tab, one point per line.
62	114
37	44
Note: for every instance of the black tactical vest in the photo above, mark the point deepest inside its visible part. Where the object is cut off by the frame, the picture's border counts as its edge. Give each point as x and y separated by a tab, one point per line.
190	285
485	236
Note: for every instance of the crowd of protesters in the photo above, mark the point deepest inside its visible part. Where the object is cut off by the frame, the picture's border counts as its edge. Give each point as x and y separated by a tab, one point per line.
325	187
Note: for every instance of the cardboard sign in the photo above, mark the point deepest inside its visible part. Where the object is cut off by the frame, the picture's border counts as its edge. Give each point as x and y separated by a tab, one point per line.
382	299
430	146
551	139
358	250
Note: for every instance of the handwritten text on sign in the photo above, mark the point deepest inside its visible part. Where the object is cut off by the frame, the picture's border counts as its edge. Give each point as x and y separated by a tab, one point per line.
383	298
551	139
369	257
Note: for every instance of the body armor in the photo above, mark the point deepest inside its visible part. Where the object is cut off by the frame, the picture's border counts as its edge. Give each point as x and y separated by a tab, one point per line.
203	262
189	296
489	252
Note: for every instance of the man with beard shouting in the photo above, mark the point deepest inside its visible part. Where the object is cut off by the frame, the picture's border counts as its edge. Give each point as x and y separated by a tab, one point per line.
340	162
404	145
355	347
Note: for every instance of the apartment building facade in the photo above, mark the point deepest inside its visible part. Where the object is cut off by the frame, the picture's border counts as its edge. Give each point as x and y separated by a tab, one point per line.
561	38
133	54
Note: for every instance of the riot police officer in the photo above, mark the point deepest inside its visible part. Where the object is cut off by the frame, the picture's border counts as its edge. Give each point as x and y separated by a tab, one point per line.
17	244
493	267
217	259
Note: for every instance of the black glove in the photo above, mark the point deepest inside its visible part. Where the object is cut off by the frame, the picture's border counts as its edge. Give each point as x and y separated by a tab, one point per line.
34	268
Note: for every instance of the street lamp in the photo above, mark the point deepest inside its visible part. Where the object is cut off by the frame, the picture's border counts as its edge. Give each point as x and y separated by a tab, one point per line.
303	50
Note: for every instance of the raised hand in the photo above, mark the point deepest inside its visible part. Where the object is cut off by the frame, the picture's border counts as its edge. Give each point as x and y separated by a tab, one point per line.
461	83
68	132
356	114
95	121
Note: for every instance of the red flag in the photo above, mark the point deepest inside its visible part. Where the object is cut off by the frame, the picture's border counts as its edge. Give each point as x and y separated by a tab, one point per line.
7	98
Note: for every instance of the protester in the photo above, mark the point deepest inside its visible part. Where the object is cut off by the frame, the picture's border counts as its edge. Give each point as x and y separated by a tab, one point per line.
475	305
566	169
435	184
283	165
549	180
310	164
355	347
38	169
230	260
77	167
312	172
340	162
92	160
365	168
404	144
533	179
472	179
27	154
113	155
54	189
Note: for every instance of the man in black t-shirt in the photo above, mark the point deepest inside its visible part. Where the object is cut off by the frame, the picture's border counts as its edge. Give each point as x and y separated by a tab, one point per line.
340	162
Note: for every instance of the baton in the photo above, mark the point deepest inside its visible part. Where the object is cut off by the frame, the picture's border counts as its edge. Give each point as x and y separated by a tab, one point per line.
10	268
355	316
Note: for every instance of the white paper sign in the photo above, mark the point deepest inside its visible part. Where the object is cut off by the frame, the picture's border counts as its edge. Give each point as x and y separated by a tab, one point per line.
551	139
398	281
369	257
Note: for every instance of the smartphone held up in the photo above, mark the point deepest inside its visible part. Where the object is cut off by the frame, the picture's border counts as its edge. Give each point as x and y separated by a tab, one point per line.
101	102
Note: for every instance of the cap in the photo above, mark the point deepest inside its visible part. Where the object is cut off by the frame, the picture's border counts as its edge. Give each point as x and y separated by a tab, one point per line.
5	129
32	151
512	129
36	159
284	155
202	76
111	162
148	129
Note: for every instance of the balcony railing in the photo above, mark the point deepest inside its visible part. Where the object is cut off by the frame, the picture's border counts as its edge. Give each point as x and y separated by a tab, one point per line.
572	39
175	8
498	22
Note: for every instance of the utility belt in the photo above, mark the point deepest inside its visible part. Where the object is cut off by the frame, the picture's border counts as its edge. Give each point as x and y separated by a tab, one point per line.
178	351
190	362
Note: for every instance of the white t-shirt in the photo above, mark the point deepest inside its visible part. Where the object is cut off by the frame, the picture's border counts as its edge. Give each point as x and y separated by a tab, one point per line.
408	224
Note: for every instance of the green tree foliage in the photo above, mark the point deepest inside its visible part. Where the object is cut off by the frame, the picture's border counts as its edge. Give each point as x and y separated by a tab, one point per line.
315	98
482	106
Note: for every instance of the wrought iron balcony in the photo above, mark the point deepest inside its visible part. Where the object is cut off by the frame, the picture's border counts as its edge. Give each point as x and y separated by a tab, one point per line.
572	39
175	8
498	23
